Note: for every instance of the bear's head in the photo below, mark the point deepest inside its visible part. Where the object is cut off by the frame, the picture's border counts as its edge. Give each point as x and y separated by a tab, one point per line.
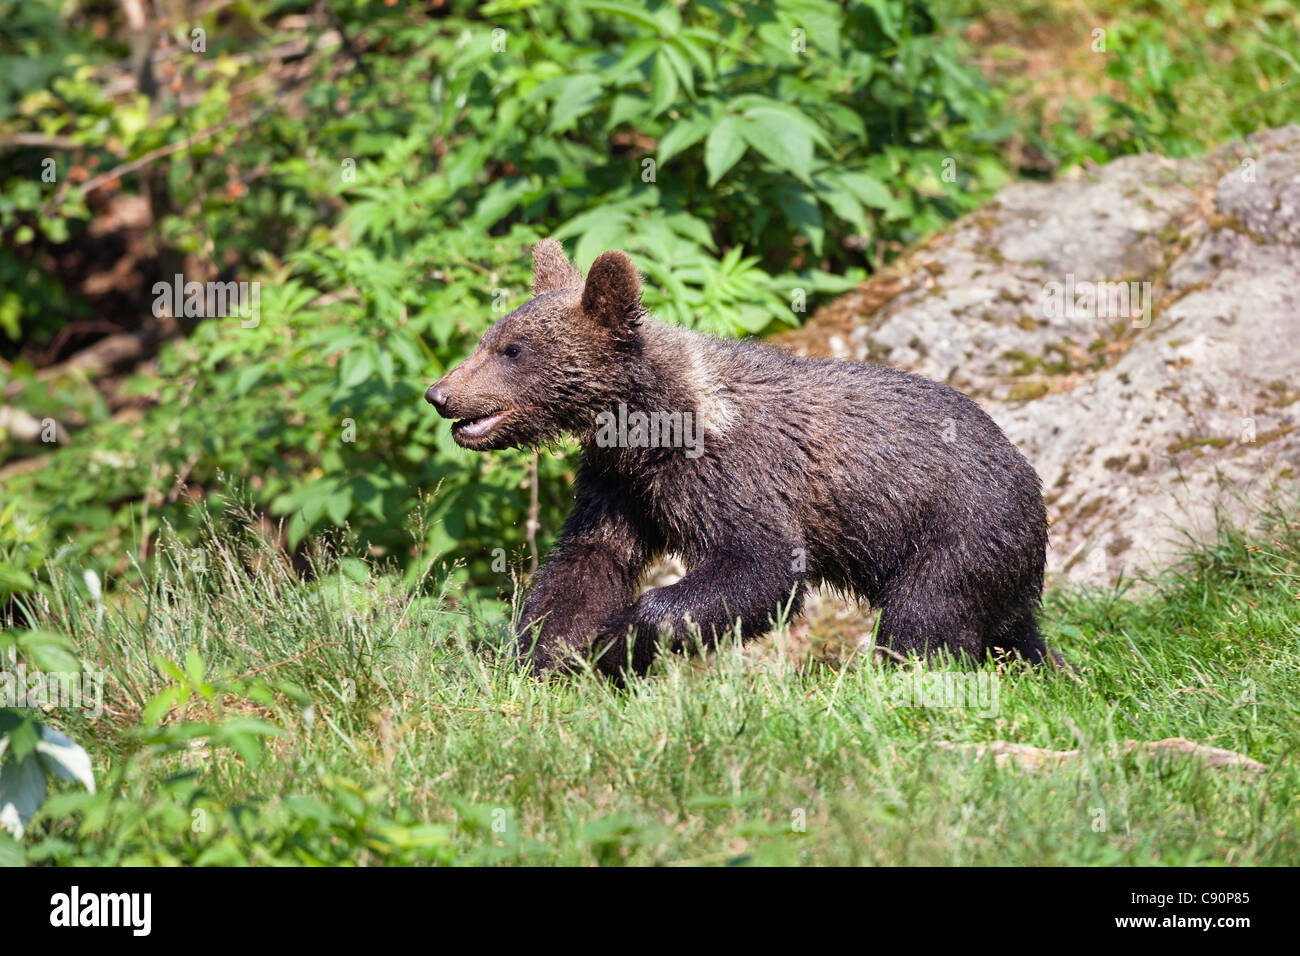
553	364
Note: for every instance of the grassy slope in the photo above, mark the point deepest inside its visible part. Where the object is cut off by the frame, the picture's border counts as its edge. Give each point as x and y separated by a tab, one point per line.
1191	74
707	764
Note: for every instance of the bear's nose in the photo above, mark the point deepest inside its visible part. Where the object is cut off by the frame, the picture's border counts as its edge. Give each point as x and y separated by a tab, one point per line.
436	396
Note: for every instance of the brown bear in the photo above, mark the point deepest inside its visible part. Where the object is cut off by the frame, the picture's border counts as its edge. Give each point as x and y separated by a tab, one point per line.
764	472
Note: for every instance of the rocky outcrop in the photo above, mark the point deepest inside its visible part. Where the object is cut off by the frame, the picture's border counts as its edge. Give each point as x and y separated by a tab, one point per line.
1135	329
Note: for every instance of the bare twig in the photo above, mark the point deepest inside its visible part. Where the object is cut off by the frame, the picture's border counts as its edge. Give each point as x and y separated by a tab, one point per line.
534	510
890	653
114	351
1038	758
39	140
182	476
76	328
288	660
95	182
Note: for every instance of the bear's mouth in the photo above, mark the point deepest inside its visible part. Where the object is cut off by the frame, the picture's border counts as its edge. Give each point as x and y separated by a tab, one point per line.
483	425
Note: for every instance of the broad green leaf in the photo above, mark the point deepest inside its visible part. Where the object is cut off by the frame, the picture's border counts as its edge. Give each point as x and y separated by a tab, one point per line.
160	706
843	203
681	65
637	52
22	791
723	148
14	580
298	528
663	85
627	108
64	757
338	506
869	190
52	653
665	20
577	97
801	210
498	201
11	851
683	134
781	139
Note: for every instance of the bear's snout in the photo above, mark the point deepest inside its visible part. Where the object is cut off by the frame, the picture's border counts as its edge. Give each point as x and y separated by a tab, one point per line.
437	396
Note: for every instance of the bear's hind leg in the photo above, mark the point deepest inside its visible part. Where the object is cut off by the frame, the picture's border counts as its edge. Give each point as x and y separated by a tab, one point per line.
1023	638
917	620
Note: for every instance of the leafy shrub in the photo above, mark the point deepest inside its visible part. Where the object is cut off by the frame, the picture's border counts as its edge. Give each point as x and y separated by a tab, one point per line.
31	752
388	219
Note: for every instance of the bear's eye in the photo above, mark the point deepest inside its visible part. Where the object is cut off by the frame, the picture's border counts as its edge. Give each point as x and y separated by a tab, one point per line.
513	351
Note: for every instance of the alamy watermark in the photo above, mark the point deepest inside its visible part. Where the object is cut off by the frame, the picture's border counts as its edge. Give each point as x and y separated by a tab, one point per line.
74	908
209	300
1084	299
946	691
82	691
649	430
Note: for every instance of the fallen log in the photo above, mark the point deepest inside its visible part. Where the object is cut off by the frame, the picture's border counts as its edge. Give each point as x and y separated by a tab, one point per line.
1038	758
114	352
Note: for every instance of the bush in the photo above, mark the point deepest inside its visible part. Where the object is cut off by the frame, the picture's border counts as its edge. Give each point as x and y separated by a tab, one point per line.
750	158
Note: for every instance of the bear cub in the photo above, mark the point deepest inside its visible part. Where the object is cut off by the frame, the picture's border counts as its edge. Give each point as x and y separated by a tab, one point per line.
763	472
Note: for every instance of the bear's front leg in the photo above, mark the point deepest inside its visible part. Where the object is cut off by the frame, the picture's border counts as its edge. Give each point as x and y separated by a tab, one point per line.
593	570
752	585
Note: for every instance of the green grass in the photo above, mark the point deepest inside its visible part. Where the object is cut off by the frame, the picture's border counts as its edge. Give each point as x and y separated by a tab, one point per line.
1177	77
403	737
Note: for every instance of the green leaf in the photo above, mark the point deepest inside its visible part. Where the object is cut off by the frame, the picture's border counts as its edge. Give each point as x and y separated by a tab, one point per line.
498	201
52	653
843	202
248	378
355	570
801	210
606	233
298	528
665	20
723	148
869	190
577	97
313	502
20	736
64	757
169	668
161	705
627	108
22	791
820	19
691	42
782	139
683	135
11	851
14	580
338	506
663	85
637	52
357	366
195	667
681	66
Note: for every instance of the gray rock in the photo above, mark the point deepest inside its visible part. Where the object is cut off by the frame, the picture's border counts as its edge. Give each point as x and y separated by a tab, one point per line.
1265	198
1146	418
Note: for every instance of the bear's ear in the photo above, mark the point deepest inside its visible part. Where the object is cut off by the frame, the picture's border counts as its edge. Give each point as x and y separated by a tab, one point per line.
612	293
551	269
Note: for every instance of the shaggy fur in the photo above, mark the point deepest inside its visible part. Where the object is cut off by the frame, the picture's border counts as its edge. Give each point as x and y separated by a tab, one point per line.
877	482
